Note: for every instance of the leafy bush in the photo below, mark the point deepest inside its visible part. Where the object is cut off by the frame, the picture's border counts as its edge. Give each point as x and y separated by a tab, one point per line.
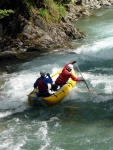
5	13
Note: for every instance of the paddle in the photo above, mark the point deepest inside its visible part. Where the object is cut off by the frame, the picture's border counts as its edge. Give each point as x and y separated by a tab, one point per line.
56	73
82	76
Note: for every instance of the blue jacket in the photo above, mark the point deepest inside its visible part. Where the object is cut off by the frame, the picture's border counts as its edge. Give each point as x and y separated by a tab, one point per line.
41	83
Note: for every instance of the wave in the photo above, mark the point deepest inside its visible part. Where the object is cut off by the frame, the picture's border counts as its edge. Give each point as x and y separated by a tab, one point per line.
100	49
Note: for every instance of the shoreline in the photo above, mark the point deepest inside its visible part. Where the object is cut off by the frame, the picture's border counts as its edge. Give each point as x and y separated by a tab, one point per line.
19	52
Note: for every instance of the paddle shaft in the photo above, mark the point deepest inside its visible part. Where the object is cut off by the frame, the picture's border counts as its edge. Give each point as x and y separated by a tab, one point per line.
82	76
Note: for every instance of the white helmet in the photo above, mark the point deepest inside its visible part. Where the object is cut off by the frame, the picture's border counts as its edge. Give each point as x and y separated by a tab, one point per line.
70	67
43	73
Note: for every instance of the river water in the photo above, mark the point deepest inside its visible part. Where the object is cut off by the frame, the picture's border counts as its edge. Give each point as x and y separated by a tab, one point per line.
83	120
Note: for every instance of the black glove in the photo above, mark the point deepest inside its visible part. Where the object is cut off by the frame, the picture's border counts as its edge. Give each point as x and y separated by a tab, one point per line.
73	62
48	74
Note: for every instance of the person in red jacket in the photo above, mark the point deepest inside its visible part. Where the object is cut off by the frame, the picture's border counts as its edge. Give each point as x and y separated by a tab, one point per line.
65	75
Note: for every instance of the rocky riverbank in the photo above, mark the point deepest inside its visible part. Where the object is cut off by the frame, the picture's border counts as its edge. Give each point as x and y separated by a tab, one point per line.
24	37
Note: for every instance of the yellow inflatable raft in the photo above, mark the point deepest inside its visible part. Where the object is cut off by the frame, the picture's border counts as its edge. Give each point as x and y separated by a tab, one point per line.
55	98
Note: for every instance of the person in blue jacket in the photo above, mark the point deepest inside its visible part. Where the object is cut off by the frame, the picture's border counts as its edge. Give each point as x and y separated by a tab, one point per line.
42	84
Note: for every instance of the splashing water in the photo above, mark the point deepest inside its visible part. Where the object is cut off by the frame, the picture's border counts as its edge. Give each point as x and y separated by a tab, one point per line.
83	120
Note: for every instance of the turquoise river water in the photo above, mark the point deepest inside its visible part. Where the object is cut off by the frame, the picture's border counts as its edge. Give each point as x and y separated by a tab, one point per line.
83	120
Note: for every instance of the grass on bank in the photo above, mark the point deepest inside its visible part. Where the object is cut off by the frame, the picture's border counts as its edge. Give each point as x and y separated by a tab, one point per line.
50	10
52	15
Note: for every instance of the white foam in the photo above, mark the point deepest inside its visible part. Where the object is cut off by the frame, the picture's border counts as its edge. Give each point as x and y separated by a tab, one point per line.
43	135
97	48
4	114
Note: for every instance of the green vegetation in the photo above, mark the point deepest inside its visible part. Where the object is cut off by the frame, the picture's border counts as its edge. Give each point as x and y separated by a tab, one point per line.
62	11
63	1
5	13
52	12
44	14
31	3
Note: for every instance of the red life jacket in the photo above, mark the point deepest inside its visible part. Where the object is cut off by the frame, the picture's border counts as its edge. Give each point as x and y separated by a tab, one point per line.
41	86
65	75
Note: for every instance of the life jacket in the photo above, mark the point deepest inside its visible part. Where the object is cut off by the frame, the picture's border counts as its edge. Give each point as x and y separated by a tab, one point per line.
63	77
41	86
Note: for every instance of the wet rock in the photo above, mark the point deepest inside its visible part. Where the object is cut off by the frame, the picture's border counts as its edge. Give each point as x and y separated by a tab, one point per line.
7	55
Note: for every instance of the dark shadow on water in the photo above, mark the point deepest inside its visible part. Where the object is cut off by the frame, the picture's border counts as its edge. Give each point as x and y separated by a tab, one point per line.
70	111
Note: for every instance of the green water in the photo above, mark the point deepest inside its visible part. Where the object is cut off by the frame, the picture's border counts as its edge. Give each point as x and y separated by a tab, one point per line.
83	120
